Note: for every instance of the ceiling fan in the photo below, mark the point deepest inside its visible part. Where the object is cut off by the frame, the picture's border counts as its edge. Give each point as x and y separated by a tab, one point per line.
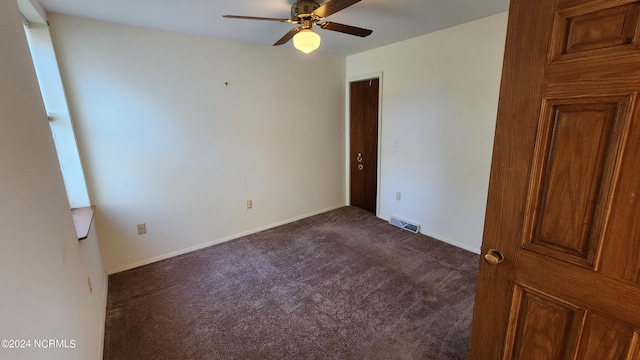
308	13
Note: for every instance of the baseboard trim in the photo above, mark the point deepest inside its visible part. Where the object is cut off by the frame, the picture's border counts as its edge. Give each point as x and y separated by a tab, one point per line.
445	239
452	242
217	241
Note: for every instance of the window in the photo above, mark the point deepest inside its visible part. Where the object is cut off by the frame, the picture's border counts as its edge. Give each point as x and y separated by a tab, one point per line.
55	103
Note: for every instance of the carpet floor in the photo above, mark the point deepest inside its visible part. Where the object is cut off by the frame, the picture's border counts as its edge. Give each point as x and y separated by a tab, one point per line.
339	285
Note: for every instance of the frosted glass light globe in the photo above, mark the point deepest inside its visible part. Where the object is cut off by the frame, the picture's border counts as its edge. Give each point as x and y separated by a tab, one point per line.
306	40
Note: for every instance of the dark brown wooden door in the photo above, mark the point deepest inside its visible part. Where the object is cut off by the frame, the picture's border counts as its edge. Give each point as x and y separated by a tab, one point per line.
564	194
363	152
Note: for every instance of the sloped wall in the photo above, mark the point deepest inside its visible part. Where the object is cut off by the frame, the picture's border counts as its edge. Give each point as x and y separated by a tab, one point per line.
53	286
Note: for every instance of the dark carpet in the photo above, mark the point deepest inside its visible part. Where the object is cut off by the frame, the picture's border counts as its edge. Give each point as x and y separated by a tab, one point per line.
339	285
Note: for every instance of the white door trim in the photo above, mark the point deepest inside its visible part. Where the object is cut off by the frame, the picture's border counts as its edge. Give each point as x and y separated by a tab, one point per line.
347	117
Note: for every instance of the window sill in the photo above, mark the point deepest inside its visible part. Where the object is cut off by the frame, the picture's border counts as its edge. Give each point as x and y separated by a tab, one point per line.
82	218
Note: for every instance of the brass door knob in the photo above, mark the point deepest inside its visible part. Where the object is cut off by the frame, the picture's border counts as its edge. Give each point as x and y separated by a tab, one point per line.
493	257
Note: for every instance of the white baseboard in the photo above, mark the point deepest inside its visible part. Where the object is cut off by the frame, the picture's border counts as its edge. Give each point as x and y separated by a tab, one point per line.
446	240
217	241
453	242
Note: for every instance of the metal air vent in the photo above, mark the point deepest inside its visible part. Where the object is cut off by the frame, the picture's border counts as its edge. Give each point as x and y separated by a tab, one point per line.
404	224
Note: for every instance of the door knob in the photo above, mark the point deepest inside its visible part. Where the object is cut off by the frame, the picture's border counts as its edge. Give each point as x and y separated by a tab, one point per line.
493	257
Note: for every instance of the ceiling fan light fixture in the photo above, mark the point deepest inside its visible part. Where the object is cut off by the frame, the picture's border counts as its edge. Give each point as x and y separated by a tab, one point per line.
306	40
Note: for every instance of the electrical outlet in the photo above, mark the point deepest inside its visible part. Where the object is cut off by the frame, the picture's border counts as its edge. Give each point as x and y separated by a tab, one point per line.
142	229
249	204
398	196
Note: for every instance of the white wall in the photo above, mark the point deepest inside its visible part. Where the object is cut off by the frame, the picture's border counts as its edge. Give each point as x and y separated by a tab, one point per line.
45	270
440	96
165	142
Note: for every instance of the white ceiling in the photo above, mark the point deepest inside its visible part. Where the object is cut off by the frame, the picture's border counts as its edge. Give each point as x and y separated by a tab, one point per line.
390	20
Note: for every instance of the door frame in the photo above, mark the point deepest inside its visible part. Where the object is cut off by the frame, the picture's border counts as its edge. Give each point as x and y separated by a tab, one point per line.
347	124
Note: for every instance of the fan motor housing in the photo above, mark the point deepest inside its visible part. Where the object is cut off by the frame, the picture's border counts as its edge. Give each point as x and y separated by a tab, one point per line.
303	9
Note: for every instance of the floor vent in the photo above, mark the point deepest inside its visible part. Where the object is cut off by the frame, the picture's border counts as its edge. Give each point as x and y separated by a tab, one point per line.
404	224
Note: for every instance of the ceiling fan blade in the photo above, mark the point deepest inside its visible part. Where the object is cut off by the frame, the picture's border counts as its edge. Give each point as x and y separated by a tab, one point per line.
346	29
333	6
256	18
288	36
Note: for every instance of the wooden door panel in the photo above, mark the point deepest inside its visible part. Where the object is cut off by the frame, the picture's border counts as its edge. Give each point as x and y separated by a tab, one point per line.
605	338
564	193
584	30
548	327
543	328
621	257
578	145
